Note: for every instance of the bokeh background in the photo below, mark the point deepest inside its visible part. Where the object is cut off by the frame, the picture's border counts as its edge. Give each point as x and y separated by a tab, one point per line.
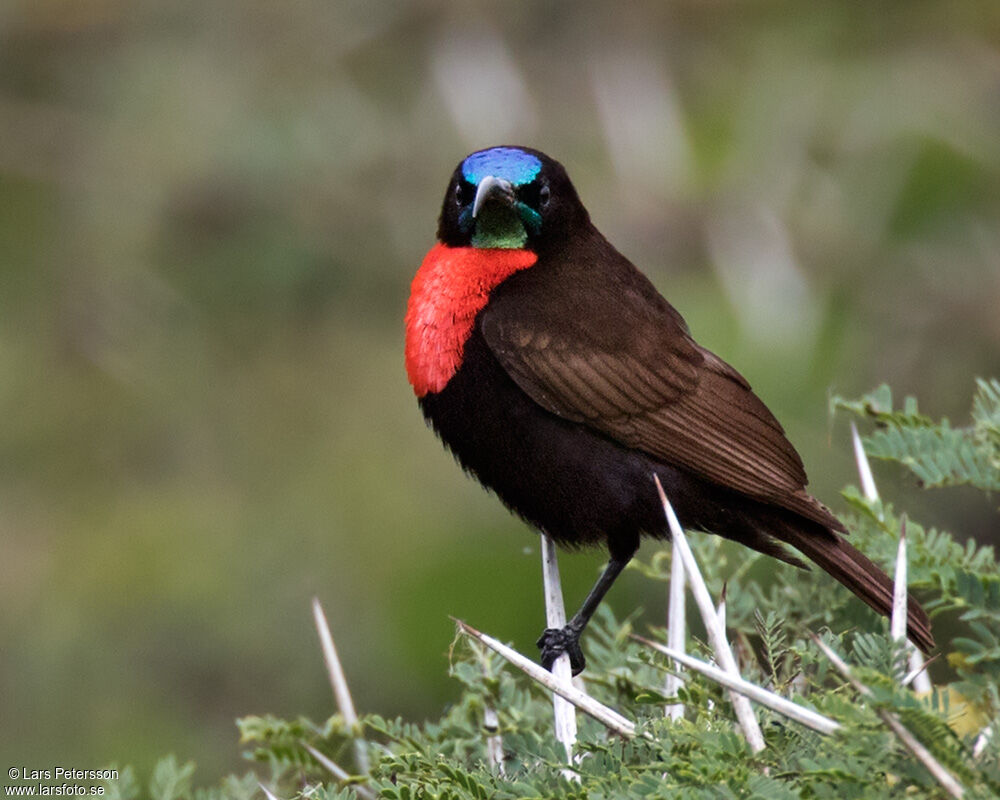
209	216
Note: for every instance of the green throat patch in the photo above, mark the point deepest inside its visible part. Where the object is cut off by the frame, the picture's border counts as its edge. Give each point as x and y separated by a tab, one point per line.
499	226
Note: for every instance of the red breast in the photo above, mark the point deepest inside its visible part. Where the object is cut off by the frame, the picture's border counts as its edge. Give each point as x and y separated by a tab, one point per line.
451	287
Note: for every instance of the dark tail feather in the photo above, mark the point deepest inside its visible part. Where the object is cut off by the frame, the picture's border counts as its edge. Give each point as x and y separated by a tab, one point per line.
859	574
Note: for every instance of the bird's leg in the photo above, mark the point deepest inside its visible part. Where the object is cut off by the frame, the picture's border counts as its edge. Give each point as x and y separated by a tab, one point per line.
555	641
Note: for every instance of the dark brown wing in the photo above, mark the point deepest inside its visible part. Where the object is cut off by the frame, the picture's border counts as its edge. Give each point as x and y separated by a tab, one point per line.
617	357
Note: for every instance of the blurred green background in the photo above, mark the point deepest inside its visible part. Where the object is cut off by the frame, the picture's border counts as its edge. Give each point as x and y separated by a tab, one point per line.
209	216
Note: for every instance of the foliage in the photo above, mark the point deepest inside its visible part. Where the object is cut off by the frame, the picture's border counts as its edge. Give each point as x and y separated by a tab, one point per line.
211	213
703	755
936	453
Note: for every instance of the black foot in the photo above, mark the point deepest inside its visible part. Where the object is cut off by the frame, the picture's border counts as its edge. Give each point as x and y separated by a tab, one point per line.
555	641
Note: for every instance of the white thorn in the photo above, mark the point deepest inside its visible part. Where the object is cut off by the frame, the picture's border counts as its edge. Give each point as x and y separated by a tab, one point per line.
494	742
267	792
337	771
608	717
921	753
716	633
897	623
918	673
982	740
864	467
555	617
776	702
339	683
676	630
900	612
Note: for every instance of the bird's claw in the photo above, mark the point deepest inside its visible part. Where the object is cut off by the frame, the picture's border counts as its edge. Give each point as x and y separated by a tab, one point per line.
555	641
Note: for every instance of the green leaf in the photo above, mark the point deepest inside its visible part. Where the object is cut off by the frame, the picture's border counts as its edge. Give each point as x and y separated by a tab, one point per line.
171	780
126	787
936	453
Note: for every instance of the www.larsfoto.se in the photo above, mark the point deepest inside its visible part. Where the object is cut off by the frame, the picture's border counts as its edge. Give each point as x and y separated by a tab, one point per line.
57	790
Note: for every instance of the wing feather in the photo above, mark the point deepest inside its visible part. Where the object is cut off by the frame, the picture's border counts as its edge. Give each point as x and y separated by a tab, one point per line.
631	371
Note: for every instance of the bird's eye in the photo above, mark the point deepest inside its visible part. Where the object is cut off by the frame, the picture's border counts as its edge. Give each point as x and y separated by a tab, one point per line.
543	196
464	194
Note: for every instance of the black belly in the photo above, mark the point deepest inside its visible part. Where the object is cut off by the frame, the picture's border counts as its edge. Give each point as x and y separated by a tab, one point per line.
574	483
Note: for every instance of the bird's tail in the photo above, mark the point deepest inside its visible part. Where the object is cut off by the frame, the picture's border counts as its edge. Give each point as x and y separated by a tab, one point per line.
858	573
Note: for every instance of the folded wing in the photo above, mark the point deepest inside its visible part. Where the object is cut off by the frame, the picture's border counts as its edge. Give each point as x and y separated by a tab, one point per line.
623	363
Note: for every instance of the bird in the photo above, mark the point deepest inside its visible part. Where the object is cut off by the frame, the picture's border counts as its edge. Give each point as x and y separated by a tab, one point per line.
560	378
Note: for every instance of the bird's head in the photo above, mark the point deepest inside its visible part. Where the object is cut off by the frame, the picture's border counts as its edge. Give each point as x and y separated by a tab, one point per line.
508	197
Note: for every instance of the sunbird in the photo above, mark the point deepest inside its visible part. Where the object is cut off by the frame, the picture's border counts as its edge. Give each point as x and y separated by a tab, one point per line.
563	381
